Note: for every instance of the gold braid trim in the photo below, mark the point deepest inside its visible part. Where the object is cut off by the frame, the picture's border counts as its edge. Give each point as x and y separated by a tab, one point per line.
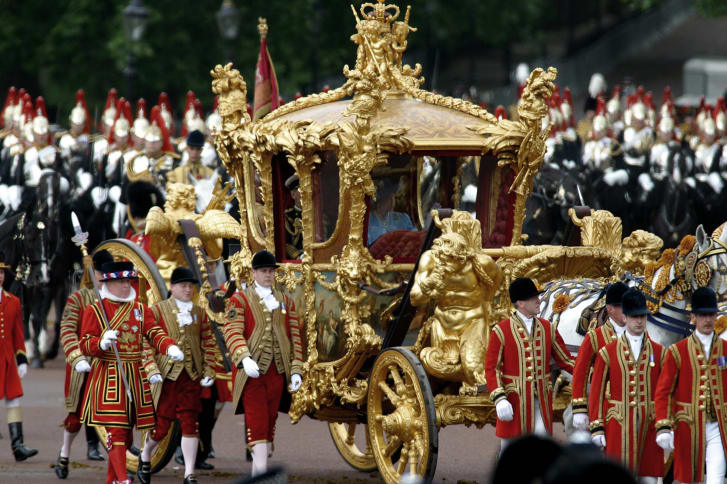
721	324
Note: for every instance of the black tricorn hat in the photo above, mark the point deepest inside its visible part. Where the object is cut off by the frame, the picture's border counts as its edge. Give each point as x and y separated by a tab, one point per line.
615	293
633	303
183	274
100	258
704	301
118	270
263	259
522	289
195	138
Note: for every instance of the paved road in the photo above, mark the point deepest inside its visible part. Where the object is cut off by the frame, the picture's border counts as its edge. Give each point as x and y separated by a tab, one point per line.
306	449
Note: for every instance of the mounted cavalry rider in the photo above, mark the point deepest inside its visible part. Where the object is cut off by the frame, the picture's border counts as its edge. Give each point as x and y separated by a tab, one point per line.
76	141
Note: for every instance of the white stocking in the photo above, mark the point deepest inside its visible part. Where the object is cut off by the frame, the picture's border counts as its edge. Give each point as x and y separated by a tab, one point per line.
149	448
189	450
259	459
67	441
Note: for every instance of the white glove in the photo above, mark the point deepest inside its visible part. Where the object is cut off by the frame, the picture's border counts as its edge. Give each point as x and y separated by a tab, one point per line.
580	421
82	366
665	440
250	367
155	378
295	382
22	370
616	177
108	337
599	440
207	381
504	410
175	353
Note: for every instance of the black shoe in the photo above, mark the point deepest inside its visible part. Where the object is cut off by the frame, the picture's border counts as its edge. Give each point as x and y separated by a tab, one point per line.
203	465
20	451
93	453
61	466
190	479
143	472
178	456
211	455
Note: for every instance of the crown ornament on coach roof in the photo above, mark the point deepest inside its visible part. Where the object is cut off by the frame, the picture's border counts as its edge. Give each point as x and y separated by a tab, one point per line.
380	11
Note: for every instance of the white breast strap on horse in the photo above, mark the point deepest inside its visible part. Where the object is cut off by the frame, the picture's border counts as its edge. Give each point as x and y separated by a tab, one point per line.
663	321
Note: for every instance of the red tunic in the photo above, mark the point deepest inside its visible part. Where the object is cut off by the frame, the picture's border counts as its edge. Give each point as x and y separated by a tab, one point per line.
105	401
517	367
689	385
12	345
245	309
70	334
627	416
593	342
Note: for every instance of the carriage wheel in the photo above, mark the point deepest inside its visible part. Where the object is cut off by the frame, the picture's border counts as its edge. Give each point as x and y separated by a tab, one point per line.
152	289
402	423
344	438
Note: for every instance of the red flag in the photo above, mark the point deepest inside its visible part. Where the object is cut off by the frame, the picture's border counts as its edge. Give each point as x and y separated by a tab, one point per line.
266	84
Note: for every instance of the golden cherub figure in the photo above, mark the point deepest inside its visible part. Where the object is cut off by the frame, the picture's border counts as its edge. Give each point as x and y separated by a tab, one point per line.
164	229
460	279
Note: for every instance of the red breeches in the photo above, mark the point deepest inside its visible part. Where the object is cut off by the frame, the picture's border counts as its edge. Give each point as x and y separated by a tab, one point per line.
72	423
117	441
180	399
261	399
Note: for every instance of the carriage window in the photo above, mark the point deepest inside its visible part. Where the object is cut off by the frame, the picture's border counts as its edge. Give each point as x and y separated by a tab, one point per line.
467	190
392	221
429	177
325	196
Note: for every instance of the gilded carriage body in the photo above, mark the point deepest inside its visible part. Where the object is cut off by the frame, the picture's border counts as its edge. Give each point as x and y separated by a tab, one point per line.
349	188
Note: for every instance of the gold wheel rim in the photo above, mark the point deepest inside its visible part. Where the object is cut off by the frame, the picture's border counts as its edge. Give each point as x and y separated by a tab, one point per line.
343	435
397	418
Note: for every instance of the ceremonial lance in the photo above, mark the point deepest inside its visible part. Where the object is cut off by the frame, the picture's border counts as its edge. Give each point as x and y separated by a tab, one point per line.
80	240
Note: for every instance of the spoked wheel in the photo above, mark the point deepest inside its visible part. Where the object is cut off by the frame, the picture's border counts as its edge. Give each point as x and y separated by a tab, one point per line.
402	423
151	290
355	450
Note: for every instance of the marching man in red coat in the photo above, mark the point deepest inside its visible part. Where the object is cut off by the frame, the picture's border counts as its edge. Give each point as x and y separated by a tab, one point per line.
77	367
106	402
623	422
517	366
691	397
182	382
263	336
596	339
13	365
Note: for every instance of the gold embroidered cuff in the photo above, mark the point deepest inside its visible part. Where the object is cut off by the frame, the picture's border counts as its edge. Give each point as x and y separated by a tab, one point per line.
239	355
208	372
663	425
296	367
580	405
596	427
74	357
497	394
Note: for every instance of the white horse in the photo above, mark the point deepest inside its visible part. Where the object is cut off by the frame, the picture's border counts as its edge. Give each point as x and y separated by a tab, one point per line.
671	322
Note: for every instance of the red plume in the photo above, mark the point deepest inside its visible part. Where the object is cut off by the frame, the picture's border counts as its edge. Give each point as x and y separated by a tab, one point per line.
600	106
297	96
215	103
81	99
164	101
500	112
156	117
40	107
198	108
141	108
10	100
249	109
616	94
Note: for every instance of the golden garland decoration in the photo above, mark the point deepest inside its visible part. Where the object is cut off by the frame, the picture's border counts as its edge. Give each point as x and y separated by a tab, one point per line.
720	325
561	303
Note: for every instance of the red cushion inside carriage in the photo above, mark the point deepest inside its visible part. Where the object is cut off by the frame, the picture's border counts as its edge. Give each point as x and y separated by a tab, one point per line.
402	245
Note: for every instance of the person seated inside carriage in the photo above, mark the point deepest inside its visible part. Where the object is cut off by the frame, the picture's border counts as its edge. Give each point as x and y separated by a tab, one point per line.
382	216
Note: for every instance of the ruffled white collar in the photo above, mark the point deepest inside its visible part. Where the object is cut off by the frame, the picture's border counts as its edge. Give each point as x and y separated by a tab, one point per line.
106	294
